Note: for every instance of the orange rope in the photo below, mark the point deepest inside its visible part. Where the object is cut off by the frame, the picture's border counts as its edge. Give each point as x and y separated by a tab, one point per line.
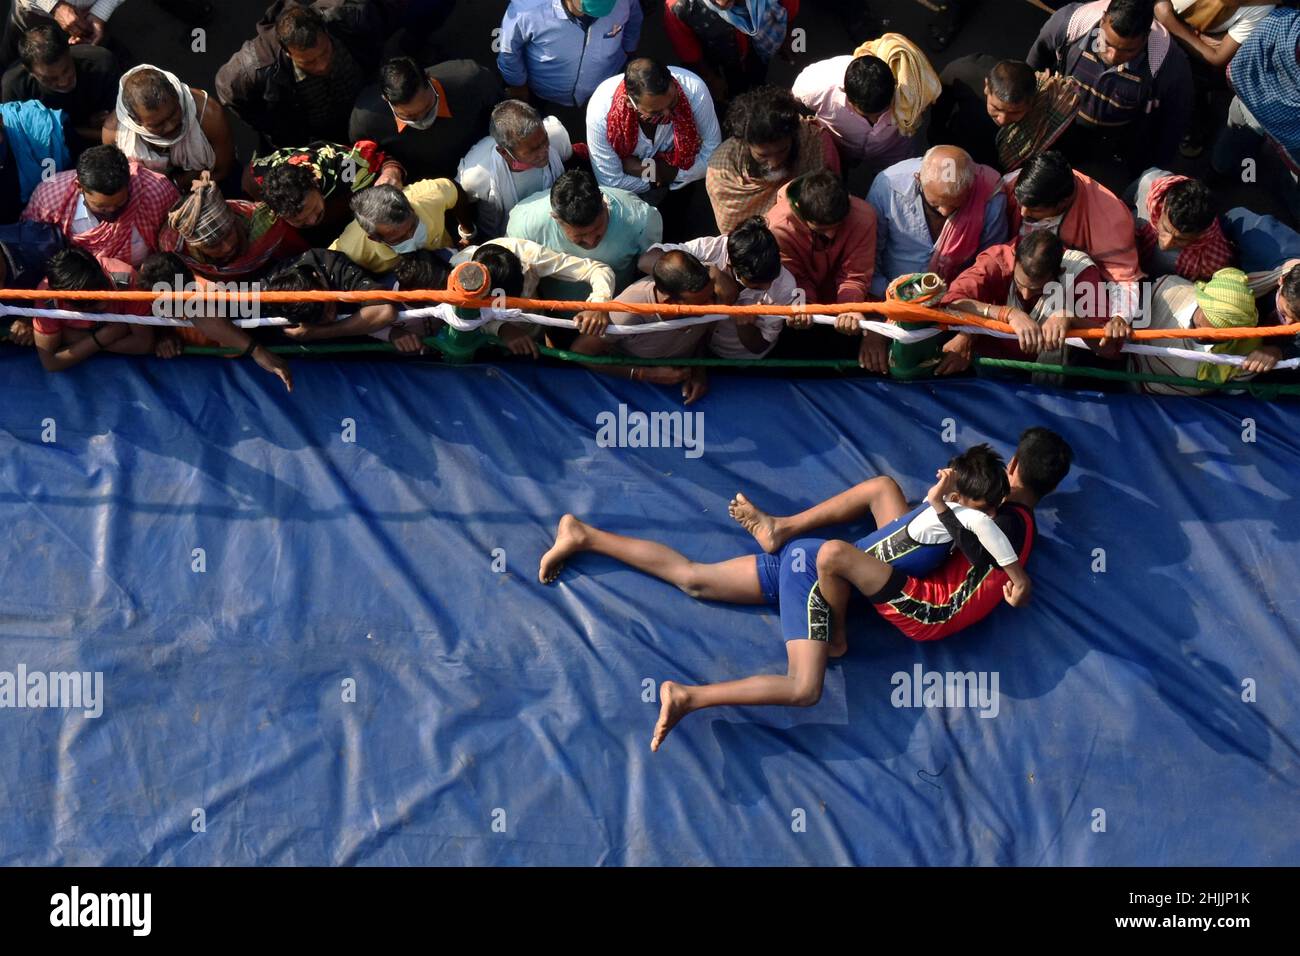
895	311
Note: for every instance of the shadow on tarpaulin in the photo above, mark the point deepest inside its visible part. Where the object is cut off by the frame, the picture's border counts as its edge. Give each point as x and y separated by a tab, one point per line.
319	651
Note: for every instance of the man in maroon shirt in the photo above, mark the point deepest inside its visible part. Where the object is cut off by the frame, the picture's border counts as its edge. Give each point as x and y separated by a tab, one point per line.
1042	290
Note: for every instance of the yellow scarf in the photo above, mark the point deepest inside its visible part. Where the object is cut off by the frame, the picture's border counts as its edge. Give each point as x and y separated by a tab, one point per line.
1205	15
917	86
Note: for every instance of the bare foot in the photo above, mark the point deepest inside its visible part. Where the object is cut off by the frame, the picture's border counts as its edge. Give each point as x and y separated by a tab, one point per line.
20	332
569	539
674	704
765	529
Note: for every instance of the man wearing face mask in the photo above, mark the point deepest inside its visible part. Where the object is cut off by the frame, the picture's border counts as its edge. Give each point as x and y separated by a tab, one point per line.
1136	82
523	155
426	119
109	206
392	222
81	80
1046	193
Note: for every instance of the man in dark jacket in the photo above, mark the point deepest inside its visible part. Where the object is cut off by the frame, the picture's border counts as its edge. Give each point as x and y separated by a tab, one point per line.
426	119
296	80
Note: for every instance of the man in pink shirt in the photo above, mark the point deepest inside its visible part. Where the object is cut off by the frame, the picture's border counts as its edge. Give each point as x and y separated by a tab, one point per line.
828	242
854	97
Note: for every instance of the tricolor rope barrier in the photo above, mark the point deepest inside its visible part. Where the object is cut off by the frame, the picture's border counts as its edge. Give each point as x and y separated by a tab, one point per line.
466	312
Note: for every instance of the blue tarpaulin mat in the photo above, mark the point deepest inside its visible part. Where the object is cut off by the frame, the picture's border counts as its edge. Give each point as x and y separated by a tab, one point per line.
319	651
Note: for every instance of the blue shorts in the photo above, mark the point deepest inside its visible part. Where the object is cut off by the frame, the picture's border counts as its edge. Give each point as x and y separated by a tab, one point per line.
789	577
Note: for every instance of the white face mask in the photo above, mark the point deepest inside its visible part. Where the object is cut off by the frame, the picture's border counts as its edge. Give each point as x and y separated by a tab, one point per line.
1052	225
425	121
415	243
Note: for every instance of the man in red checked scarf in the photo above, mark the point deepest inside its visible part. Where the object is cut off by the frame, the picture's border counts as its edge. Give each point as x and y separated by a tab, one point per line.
1178	229
652	130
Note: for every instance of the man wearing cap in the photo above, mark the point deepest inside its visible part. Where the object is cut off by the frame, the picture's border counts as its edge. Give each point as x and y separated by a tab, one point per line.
1225	301
223	239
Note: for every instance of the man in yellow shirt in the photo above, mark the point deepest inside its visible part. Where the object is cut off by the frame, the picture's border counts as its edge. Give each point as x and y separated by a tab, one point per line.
391	222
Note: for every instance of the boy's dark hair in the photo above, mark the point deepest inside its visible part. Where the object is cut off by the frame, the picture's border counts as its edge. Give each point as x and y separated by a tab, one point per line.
422	269
285	188
1131	18
753	250
1046	180
162	268
504	267
1013	81
679	273
103	169
298	277
400	79
1040	254
869	84
822	198
75	270
43	43
1043	459
981	474
1190	206
299	28
576	198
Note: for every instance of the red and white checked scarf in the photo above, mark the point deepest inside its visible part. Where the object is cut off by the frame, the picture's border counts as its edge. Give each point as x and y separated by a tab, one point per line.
622	128
151	195
1203	258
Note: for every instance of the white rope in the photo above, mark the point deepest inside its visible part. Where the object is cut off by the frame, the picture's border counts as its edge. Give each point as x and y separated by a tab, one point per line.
447	313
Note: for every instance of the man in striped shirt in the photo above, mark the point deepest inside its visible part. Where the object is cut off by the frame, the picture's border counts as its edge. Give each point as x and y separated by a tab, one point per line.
1136	82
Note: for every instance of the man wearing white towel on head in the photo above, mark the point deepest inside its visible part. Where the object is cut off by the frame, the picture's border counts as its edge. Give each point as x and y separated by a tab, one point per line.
169	127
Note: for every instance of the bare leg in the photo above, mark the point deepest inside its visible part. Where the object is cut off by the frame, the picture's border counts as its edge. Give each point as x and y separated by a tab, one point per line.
801	686
880	497
841	567
734	581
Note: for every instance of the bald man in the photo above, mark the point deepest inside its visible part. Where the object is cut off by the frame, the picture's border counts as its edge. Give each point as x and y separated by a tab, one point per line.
677	278
935	214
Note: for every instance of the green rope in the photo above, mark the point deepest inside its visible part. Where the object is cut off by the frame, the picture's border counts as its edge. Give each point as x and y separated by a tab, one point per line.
1118	375
1265	390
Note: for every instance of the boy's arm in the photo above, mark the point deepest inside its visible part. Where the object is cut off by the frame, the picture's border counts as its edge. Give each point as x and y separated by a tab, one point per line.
946	483
966	540
1017	589
990	536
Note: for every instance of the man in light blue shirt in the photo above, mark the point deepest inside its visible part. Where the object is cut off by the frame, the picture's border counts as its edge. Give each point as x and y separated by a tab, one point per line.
562	49
649	93
918	203
579	218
